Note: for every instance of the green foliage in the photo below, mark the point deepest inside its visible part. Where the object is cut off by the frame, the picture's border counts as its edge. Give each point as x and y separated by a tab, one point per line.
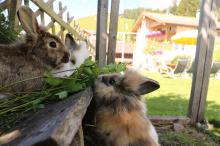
135	13
7	33
12	110
186	8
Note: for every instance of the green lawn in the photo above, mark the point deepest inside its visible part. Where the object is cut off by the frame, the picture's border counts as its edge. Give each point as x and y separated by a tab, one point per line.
90	23
173	96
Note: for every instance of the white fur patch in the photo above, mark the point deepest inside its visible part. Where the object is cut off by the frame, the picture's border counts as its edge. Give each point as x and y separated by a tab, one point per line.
79	55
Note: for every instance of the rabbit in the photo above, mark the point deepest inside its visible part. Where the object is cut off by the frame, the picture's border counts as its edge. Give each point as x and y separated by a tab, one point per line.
119	112
37	54
78	54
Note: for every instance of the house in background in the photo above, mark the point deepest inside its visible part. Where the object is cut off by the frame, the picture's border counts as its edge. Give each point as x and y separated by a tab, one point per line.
167	24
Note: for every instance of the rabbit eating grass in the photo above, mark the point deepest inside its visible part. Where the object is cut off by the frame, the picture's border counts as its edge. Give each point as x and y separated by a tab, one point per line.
78	54
120	115
39	53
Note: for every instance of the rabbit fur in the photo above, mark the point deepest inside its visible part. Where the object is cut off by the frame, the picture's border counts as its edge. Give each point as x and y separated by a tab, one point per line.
119	115
78	54
38	53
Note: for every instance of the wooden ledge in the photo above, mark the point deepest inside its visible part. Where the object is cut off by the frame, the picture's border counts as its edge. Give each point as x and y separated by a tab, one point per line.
55	125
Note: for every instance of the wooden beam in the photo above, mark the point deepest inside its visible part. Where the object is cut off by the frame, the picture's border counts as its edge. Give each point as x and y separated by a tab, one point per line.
101	32
56	17
203	60
49	3
58	128
113	29
4	4
12	13
61	11
42	18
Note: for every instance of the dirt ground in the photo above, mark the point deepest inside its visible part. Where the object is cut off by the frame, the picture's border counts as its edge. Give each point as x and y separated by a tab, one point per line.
174	134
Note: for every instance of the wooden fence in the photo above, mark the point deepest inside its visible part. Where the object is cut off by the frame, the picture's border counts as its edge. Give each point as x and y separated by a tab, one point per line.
47	7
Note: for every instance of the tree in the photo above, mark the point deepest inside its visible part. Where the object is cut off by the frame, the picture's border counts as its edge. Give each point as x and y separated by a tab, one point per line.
135	13
186	8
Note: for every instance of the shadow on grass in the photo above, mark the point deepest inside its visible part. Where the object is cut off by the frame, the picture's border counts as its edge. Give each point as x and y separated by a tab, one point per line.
173	104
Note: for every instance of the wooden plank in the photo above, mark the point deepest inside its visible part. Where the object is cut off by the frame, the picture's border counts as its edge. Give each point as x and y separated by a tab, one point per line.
49	3
101	32
173	119
13	19
4	4
42	18
56	17
61	11
113	29
58	128
203	60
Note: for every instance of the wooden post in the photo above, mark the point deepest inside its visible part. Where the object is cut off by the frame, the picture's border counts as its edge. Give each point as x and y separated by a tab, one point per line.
61	16
42	18
14	4
101	33
53	21
203	60
113	29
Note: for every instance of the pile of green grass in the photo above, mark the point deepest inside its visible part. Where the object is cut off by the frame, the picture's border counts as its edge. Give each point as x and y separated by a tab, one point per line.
15	108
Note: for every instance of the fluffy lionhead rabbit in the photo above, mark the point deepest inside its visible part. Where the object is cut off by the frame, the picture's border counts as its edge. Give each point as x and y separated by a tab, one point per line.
78	54
39	53
120	114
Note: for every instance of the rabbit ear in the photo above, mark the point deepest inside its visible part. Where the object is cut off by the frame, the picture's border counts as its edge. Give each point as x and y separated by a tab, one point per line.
148	86
28	20
70	43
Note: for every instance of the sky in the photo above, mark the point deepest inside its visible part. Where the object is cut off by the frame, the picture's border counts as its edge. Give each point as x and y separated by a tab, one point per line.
83	8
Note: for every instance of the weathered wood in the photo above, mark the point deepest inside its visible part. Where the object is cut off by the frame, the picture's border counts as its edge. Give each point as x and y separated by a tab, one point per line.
173	119
113	29
203	60
14	5
101	32
61	11
42	18
69	19
56	17
79	138
4	4
56	125
49	3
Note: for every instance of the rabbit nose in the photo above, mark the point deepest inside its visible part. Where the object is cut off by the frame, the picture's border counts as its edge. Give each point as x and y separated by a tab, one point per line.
65	58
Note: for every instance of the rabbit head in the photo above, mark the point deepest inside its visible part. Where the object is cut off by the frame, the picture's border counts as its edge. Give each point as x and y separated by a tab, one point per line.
78	54
129	85
43	46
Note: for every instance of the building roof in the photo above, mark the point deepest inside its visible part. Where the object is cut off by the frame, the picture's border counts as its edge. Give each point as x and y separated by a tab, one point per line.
165	19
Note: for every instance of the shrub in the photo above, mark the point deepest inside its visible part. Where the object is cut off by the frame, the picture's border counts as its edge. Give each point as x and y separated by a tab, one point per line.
7	33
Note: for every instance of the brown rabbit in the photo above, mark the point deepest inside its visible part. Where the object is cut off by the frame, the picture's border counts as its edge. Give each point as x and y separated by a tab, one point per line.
38	53
120	116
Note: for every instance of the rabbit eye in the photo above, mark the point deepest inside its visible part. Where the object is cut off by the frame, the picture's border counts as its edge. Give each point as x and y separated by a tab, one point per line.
112	81
53	44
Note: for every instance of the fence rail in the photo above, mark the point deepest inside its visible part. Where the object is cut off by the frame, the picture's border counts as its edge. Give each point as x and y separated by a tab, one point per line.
47	8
